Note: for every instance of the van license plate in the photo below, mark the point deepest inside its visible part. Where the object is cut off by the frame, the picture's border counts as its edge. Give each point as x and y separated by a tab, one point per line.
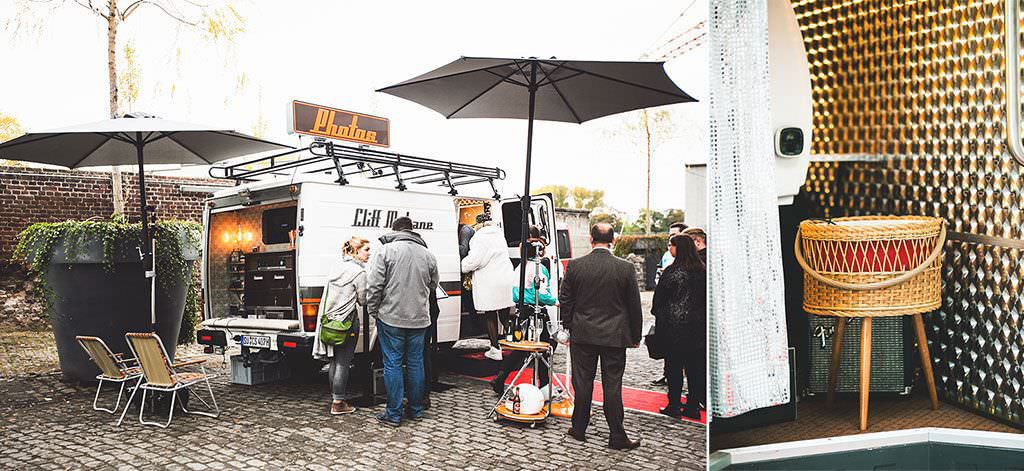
256	341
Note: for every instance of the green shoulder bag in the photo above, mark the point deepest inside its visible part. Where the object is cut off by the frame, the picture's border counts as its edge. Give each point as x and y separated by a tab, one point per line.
333	332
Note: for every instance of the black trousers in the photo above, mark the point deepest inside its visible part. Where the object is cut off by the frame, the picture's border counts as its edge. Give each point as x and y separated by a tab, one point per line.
695	363
584	369
430	373
674	378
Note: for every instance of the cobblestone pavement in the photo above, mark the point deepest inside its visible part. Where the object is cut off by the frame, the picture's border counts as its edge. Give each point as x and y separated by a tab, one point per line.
46	424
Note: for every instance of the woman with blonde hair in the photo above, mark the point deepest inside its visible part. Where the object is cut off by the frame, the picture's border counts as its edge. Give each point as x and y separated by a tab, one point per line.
344	292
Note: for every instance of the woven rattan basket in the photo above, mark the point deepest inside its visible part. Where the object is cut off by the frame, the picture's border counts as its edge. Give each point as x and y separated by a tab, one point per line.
871	265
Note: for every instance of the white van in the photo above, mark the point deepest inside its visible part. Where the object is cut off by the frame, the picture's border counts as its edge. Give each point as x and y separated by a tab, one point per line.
270	244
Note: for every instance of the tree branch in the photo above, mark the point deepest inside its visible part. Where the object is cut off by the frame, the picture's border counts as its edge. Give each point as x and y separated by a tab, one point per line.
89	6
170	14
130	9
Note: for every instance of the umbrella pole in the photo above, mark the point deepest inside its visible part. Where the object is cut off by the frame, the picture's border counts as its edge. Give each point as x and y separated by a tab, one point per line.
147	248
525	230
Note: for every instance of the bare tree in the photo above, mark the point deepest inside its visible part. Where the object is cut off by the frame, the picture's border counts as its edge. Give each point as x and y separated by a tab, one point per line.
217	23
647	129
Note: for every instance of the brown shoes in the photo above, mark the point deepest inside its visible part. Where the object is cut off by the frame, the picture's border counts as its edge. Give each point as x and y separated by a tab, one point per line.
341	407
624	445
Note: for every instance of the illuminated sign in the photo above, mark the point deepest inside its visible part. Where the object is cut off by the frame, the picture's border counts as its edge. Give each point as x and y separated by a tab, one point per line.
332	123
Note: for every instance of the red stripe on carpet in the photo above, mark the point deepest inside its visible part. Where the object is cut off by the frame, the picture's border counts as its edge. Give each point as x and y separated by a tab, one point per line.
640	400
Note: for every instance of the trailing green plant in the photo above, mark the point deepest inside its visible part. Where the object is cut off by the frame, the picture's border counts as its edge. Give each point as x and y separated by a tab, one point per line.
627	244
37	245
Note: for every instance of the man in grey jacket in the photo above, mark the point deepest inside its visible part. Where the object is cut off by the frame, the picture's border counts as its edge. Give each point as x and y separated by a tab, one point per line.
400	282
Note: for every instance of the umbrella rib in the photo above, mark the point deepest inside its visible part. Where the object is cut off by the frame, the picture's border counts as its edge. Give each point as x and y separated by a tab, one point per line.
645	87
547	74
556	80
506	78
117	137
8	144
87	154
471	100
162	135
404	84
559	92
520	67
189	149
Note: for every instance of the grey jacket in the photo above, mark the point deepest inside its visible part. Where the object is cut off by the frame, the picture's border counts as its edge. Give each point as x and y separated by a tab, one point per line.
401	280
346	289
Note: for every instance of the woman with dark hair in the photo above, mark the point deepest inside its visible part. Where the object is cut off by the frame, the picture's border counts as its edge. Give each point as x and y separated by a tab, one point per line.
680	312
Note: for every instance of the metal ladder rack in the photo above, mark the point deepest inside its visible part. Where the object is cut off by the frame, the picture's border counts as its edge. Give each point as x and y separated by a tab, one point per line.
346	161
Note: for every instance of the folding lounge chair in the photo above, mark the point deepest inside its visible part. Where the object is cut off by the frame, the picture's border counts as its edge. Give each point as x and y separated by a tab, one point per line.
161	375
114	368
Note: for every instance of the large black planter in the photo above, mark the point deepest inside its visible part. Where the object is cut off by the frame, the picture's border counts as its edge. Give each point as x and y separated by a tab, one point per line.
89	299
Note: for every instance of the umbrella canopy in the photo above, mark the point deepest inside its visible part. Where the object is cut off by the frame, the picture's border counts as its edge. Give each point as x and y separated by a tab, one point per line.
115	142
566	91
134	139
546	89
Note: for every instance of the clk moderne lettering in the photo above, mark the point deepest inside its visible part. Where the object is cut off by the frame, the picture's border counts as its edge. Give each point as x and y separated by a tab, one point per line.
379	218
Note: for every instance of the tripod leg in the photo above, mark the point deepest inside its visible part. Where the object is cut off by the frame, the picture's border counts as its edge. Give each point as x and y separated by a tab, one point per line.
509	388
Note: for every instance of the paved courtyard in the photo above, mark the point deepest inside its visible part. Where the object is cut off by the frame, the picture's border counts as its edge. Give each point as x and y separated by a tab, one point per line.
47	424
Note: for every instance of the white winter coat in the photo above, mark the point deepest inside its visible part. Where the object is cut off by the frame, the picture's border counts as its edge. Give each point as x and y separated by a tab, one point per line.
493	276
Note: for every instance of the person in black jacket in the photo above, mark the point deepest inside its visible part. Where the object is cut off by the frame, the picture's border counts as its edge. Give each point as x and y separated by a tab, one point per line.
600	307
680	313
700	241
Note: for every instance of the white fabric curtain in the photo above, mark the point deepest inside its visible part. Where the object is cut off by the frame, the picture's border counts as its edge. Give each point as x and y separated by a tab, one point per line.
747	344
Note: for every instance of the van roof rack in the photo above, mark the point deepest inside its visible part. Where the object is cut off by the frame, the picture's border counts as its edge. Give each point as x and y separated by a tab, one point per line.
326	157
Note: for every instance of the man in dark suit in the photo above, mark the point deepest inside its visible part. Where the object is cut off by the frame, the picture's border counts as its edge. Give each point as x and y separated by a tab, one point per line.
600	306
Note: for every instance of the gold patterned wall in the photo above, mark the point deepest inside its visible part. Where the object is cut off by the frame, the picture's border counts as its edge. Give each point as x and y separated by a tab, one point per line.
908	114
243	230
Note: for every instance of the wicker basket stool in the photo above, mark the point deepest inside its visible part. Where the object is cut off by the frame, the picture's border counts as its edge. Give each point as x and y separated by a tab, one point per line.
872	266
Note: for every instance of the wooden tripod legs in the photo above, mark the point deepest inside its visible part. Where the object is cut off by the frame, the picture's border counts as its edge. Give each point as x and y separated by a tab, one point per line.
837	346
865	370
865	363
926	360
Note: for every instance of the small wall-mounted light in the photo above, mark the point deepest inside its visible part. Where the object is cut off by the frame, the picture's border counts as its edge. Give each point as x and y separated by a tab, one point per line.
238	236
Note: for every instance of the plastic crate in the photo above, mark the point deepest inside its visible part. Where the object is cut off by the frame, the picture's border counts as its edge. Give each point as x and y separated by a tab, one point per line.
258	373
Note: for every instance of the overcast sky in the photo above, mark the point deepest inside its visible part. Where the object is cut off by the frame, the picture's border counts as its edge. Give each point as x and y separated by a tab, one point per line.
338	53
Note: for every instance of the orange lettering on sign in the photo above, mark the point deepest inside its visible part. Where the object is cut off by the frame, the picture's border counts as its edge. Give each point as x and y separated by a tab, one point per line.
324	124
321	120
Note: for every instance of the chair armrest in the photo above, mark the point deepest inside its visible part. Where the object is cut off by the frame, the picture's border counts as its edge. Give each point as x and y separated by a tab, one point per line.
187	362
119	357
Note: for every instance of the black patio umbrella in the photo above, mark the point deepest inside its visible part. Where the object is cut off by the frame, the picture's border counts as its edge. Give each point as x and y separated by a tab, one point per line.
134	139
546	89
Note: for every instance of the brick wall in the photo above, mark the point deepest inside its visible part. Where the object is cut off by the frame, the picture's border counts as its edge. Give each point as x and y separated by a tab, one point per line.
29	195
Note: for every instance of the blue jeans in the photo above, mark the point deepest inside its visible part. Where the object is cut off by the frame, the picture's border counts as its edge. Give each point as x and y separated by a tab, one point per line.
398	346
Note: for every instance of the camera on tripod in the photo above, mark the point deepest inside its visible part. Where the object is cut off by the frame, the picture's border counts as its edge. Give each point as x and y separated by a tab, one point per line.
529	322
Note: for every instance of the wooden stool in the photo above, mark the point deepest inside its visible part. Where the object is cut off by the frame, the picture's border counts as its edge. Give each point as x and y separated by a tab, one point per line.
872	266
865	363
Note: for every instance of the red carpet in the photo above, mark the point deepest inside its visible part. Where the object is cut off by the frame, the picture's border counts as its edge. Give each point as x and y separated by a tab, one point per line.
640	400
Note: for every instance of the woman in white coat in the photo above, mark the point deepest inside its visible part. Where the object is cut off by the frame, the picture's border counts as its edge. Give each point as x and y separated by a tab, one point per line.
493	277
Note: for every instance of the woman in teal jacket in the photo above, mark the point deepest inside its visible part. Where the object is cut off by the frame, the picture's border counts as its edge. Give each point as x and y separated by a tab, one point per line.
546	299
515	360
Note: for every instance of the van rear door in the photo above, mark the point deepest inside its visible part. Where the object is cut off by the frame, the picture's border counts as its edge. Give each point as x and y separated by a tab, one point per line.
542	215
